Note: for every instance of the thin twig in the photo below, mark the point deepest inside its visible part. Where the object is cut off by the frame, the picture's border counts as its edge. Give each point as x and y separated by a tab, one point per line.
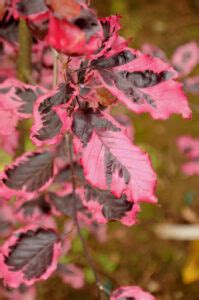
83	242
55	67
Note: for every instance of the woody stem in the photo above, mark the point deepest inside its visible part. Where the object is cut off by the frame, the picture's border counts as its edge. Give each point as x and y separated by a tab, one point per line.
75	217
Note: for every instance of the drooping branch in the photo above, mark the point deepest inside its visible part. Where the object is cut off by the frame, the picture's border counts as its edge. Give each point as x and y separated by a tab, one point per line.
55	67
84	246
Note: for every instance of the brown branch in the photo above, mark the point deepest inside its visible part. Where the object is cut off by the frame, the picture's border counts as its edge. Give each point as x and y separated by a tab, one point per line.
55	67
83	242
24	72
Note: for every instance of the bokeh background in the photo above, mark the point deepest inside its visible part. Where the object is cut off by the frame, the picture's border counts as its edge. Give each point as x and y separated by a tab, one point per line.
136	255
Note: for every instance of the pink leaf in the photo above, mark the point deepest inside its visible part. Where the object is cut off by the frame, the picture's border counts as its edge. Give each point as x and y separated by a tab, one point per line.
29	255
82	36
22	293
143	84
31	210
39	25
109	159
105	207
190	147
31	172
185	58
51	116
153	51
111	27
191	168
19	97
7	219
71	275
130	292
8	138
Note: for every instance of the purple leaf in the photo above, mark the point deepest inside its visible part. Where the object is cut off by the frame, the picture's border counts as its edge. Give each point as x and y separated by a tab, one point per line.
191	85
110	160
29	255
20	97
30	210
51	116
105	207
153	51
185	58
145	84
31	172
30	8
190	147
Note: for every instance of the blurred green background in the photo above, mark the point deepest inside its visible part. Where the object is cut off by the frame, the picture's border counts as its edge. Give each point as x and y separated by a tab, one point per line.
135	255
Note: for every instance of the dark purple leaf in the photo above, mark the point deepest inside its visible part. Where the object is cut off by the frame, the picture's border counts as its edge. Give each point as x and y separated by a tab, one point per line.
31	172
65	204
28	207
48	126
30	255
31	7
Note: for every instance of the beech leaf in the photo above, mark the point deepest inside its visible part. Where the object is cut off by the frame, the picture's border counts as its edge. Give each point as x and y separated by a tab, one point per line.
190	147
29	255
81	35
110	161
105	207
20	97
185	58
32	209
63	201
143	83
50	114
71	275
31	172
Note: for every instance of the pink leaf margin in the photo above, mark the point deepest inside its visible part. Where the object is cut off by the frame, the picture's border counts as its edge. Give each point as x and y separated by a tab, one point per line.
185	65
23	192
129	219
15	279
60	110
